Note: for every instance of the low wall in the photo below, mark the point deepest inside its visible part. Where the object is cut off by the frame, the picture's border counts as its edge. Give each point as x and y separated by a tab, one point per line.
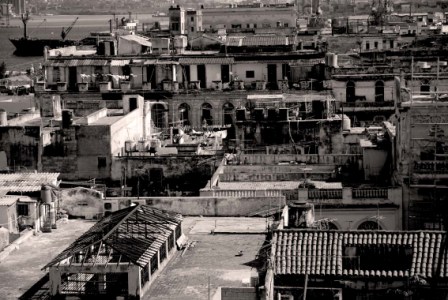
263	159
211	206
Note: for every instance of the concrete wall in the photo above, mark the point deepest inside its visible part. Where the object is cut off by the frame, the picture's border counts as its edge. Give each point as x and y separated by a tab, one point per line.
81	202
240	293
362	88
225	17
211	206
260	70
262	159
373	162
21	145
8	217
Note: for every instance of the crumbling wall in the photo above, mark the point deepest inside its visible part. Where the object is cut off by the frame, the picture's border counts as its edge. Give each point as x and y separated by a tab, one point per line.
81	202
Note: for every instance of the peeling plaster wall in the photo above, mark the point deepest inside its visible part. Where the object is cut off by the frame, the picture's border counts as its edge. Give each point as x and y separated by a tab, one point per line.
81	202
21	145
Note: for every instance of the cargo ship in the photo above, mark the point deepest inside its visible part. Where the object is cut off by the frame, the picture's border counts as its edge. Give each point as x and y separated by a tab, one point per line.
27	46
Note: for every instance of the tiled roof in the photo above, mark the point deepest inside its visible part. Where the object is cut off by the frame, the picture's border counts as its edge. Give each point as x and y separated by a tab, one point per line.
206	60
26	182
271	40
122	231
75	62
321	253
8	201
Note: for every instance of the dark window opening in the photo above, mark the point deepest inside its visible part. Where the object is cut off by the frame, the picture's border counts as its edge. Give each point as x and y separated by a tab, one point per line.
250	74
154	264
22	209
171	241
162	252
144	274
377	257
126	70
56	74
379	91
207	113
102	162
132	104
350	91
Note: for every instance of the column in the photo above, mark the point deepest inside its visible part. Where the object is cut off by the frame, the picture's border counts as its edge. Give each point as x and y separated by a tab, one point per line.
55	281
134	282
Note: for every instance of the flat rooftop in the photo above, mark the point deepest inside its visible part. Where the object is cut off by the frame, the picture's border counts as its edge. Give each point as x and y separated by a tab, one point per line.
212	257
275	185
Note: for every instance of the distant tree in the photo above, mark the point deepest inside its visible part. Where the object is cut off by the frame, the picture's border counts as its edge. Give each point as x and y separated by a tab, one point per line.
2	70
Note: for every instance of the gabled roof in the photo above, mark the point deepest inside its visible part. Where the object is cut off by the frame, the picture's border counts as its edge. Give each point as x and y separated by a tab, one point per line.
122	231
26	182
321	253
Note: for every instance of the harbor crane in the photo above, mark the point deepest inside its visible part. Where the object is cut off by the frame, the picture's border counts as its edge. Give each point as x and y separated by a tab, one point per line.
65	32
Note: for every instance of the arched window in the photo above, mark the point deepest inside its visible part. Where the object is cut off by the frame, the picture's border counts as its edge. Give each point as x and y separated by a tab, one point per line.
379	91
184	114
158	115
350	91
228	110
369	225
425	86
207	113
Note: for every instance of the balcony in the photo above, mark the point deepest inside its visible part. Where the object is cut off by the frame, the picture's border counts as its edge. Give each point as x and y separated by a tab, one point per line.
370	194
431	167
325	194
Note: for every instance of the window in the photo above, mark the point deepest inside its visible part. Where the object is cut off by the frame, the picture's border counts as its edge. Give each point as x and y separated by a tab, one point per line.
350	91
255	25
247	25
367	46
379	91
171	241
178	231
132	104
56	74
102	162
369	225
22	209
175	26
192	19
192	29
425	87
144	274
154	263
286	24
376	45
162	252
385	257
236	25
126	70
207	114
391	44
250	74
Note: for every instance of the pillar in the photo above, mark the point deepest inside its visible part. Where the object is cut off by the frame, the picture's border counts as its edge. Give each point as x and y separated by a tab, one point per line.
55	281
134	282
52	215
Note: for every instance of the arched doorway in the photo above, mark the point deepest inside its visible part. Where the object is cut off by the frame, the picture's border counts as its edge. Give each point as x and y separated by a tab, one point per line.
184	114
350	91
369	225
227	113
207	117
158	115
379	91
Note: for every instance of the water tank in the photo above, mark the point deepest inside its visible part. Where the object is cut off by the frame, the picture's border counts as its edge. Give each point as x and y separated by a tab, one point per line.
346	123
141	146
67	118
45	194
3	118
128	146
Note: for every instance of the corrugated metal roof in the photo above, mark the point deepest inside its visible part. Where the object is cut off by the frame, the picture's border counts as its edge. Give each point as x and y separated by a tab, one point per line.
271	40
135	233
119	62
8	201
322	252
86	62
138	39
26	182
206	60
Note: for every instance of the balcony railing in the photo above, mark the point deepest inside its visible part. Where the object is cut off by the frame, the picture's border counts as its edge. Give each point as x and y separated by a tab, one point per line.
370	193
369	104
427	167
325	194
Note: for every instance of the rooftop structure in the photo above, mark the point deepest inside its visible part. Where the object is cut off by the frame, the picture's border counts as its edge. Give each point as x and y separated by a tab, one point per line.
26	182
126	248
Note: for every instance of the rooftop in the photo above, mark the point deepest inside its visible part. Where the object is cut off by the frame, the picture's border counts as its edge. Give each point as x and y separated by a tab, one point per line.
120	230
305	251
211	257
26	182
275	185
